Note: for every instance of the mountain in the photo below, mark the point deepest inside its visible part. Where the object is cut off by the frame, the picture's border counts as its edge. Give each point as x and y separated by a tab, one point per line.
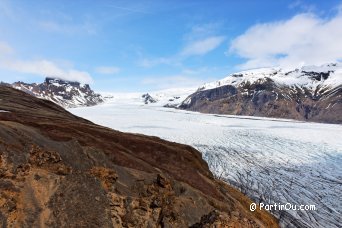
311	93
148	98
160	98
64	93
59	170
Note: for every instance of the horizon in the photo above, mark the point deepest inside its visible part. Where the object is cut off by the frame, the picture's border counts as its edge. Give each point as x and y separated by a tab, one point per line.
148	45
194	87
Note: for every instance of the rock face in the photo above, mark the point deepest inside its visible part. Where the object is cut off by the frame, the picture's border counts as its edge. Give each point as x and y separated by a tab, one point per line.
148	98
309	94
59	170
64	93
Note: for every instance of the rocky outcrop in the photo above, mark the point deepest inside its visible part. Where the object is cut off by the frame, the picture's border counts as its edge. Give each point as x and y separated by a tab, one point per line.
67	94
299	94
59	170
148	98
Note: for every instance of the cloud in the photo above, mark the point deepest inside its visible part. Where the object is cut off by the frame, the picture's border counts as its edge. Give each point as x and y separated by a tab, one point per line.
47	69
202	31
201	70
299	4
146	62
171	81
303	39
41	67
107	70
5	49
67	27
193	48
185	78
129	9
202	47
198	41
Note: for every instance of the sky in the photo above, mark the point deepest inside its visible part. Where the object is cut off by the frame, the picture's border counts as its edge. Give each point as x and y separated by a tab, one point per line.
121	46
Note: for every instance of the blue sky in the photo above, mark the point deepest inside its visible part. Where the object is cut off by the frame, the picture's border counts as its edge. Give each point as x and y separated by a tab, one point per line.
150	44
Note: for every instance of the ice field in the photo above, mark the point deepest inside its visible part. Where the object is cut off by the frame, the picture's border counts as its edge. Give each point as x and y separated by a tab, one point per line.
270	160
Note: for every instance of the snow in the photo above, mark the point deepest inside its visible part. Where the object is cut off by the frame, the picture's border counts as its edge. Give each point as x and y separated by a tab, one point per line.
64	93
171	97
283	77
241	77
271	160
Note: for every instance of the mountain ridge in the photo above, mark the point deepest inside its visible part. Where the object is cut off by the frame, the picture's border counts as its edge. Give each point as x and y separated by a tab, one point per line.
68	94
310	93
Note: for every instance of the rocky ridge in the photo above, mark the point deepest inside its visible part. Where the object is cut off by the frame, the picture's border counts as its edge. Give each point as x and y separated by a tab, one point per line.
67	94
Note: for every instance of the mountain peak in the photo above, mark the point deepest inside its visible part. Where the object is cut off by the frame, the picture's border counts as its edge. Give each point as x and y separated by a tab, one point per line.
327	75
58	81
68	94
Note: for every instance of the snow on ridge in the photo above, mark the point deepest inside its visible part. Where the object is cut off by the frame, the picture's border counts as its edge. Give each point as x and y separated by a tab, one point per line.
286	77
173	96
67	94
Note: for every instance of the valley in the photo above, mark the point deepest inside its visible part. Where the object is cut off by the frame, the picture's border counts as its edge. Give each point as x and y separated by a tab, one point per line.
271	160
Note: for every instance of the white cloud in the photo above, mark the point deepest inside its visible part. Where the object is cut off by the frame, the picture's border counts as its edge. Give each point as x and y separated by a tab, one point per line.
202	47
191	71
5	49
128	9
68	27
41	67
172	81
146	62
303	39
186	78
200	40
202	31
193	48
299	4
107	70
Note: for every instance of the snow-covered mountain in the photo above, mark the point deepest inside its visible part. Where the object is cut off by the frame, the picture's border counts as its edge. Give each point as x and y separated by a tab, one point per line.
312	93
64	93
166	97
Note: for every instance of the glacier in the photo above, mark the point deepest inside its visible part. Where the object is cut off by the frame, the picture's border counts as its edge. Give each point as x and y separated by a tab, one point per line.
270	160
